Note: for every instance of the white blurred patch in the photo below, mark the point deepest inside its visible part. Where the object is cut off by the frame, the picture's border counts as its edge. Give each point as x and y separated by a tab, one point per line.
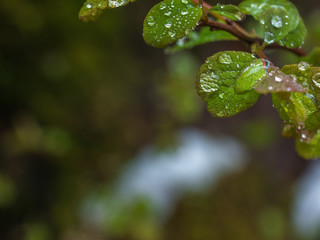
306	211
198	162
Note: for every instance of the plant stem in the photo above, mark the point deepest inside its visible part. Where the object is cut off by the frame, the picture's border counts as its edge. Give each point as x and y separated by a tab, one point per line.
239	32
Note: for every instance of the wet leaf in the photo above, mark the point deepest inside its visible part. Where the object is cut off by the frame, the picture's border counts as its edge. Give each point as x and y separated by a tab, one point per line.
308	76
92	9
205	35
300	132
313	121
289	131
311	149
277	81
228	11
169	21
250	76
219	77
295	38
295	108
277	17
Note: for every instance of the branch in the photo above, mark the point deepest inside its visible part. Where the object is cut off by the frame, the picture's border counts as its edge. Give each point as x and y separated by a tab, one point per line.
298	51
240	33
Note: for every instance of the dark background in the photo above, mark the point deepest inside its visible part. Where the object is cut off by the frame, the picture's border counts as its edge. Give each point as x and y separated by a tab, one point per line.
78	101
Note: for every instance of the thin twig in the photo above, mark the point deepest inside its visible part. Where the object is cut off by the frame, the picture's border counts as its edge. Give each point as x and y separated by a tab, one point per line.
236	30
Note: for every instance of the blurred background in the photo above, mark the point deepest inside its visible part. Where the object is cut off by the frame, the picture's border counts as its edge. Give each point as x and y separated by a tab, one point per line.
104	137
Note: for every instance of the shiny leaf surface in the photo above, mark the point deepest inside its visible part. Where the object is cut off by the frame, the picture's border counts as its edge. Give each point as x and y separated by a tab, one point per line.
169	21
223	76
228	11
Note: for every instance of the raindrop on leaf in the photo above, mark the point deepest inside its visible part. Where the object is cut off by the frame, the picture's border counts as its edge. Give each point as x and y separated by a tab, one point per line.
276	21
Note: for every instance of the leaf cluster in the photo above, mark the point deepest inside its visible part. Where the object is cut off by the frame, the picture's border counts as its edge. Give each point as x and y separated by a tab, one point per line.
230	81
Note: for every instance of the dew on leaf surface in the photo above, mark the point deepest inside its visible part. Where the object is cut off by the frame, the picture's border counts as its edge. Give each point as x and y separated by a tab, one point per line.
316	79
150	21
184	12
303	66
168	25
163	6
278	79
225	58
277	22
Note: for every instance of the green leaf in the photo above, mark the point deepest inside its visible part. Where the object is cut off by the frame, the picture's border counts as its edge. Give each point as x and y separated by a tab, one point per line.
205	35
295	38
311	149
308	76
250	76
313	121
289	131
92	9
169	21
277	17
295	108
221	75
313	57
229	11
277	81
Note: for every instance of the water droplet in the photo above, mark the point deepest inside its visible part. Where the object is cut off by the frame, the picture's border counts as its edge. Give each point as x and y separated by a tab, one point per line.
303	136
184	12
171	34
225	58
276	21
185	1
316	79
207	82
167	13
150	21
220	114
269	37
168	25
162	6
88	5
278	79
210	65
115	3
303	66
270	88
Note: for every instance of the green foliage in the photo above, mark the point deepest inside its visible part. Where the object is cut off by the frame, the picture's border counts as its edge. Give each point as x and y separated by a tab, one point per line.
278	19
169	21
92	9
205	35
229	11
230	82
226	82
277	82
310	149
296	37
